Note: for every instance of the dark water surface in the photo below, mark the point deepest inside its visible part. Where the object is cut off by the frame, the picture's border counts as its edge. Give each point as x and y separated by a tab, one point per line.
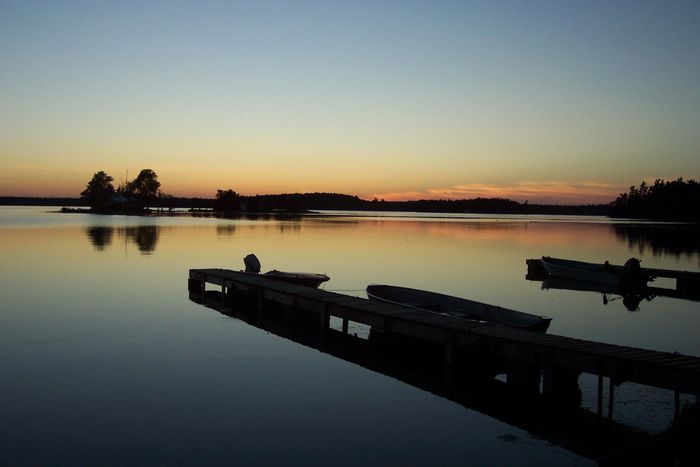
105	360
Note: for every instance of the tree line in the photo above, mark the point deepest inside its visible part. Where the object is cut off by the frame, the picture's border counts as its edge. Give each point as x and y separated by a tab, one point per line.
663	200
677	200
144	192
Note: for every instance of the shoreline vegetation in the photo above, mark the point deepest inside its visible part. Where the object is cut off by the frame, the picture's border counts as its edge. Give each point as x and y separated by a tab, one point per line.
307	202
677	200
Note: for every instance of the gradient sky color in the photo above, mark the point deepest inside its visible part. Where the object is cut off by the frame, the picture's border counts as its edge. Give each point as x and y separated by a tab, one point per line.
549	101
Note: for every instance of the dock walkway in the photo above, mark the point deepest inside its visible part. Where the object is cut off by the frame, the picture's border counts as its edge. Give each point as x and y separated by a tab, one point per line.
554	357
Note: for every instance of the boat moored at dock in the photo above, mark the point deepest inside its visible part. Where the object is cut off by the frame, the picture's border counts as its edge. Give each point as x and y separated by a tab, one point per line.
307	279
629	275
456	307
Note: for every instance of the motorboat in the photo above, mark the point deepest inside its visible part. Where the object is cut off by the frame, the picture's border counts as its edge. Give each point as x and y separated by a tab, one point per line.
307	279
463	308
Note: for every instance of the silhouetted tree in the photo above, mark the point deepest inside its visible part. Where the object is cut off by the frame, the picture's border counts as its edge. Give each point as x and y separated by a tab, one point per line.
672	200
227	200
99	191
144	188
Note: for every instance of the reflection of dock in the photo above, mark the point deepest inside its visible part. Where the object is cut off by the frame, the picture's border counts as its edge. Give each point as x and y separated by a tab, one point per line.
418	364
687	283
532	359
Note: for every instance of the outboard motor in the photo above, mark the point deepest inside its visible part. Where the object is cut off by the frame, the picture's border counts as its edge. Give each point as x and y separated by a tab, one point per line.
252	264
633	267
633	277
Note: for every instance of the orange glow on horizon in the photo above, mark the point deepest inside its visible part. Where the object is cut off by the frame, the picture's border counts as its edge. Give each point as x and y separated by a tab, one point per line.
549	192
183	182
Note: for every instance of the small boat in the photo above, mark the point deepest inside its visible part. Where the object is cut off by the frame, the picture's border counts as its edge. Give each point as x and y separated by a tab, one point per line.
457	307
307	279
630	274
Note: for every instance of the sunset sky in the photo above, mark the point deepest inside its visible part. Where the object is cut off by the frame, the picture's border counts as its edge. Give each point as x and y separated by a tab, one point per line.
546	101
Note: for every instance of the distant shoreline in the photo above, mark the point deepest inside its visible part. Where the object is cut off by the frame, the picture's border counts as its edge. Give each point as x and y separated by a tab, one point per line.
308	202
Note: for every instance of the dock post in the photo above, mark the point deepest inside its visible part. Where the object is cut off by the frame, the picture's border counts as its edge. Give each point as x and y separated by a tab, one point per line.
526	377
611	396
449	345
345	325
196	286
324	324
600	395
560	385
325	320
676	404
547	379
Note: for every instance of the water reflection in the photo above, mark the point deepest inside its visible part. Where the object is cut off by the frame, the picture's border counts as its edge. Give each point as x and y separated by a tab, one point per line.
662	240
226	230
248	216
469	382
145	237
100	237
233	380
630	297
290	227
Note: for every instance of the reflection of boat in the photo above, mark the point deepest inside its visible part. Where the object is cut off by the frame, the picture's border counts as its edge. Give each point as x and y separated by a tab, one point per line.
631	296
308	279
629	274
455	306
562	283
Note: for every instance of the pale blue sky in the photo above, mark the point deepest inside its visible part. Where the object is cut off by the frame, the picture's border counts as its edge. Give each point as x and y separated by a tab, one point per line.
412	99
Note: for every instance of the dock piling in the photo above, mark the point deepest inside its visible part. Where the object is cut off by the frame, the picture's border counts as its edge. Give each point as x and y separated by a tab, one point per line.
600	395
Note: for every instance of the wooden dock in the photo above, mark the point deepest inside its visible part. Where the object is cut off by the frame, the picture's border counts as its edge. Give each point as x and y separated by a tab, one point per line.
577	430
551	362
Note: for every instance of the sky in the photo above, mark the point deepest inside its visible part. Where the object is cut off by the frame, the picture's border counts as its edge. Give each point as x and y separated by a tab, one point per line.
546	101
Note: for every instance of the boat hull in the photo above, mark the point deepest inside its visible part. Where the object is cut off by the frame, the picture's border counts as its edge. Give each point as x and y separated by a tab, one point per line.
608	274
307	279
580	271
455	306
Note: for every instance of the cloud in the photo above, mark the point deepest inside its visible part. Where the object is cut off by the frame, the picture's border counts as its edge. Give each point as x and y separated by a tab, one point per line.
545	192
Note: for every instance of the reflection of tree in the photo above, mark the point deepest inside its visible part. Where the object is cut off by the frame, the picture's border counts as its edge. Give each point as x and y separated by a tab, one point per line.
226	229
675	240
290	226
144	236
257	216
100	237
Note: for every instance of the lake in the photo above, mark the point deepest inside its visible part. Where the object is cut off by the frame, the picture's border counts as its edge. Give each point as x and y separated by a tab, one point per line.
105	360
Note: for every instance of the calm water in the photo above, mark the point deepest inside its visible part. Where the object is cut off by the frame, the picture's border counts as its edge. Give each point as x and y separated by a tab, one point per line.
104	359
